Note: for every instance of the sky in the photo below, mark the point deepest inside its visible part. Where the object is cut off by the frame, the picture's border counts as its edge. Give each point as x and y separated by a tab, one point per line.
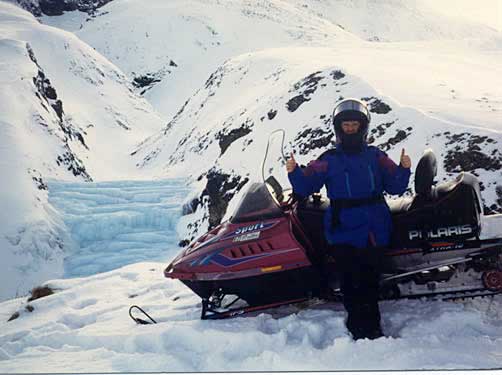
488	12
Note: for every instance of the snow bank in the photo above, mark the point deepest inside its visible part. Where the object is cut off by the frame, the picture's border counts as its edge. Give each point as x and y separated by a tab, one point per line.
67	113
84	327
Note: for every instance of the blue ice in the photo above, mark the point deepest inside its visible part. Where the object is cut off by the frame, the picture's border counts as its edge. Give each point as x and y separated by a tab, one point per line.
113	224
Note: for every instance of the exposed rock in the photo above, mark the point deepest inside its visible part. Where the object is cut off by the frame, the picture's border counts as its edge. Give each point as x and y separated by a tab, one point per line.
144	80
37	178
73	164
184	243
48	96
226	139
337	75
191	207
457	160
14	316
40	292
58	7
148	80
400	136
295	102
271	114
377	106
467	153
306	87
220	189
379	131
498	190
311	139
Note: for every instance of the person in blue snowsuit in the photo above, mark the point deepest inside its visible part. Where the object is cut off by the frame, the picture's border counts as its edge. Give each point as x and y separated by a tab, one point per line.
358	225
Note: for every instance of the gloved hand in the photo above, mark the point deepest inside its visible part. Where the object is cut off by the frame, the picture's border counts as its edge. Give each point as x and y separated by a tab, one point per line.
405	160
291	164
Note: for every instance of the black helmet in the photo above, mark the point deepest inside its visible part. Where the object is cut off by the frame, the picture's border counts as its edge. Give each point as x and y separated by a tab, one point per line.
351	110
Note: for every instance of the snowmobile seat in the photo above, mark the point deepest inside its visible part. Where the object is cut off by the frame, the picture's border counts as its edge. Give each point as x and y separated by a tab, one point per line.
425	173
437	193
450	211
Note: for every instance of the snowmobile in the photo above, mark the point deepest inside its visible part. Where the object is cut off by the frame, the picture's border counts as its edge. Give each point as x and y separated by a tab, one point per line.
272	250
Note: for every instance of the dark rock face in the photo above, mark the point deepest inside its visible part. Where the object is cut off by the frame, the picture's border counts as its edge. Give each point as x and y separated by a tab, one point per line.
271	114
220	189
73	164
305	87
311	139
40	292
191	207
467	154
14	316
400	136
184	243
337	75
146	81
498	190
377	106
48	98
378	131
37	179
58	7
226	139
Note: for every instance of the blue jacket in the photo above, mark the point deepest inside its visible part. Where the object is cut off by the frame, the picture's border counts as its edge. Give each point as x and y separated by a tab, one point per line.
354	176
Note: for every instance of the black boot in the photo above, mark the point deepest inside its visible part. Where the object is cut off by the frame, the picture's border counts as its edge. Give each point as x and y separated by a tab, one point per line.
363	320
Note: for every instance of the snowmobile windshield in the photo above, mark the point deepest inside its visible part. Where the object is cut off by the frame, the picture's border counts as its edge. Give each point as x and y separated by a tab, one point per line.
257	204
274	163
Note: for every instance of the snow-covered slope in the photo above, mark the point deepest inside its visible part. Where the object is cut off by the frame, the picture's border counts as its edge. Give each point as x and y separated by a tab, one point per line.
84	327
65	113
170	47
436	73
288	73
286	89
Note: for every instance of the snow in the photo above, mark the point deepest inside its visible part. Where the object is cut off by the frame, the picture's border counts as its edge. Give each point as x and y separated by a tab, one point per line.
85	141
408	39
84	327
103	245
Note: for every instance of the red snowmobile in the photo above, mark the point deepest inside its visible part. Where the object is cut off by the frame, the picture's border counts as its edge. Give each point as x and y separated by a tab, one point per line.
272	250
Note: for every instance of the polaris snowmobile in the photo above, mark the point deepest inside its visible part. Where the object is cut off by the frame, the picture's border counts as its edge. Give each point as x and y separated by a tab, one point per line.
272	250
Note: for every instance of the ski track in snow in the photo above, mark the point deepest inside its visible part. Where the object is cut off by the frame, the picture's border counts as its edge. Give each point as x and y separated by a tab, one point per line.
117	223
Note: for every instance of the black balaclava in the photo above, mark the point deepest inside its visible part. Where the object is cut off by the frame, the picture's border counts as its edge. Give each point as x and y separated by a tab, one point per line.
351	110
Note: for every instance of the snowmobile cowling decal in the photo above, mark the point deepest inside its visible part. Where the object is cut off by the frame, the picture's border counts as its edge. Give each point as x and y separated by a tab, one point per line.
249	228
440	232
217	258
237	232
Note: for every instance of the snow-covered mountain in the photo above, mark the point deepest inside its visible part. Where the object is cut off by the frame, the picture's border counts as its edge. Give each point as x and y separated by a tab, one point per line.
174	46
124	90
286	89
58	7
225	74
66	113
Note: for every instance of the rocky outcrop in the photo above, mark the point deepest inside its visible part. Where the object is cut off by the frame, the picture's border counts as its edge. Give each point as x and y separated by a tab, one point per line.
226	138
305	87
467	153
220	189
58	7
48	97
